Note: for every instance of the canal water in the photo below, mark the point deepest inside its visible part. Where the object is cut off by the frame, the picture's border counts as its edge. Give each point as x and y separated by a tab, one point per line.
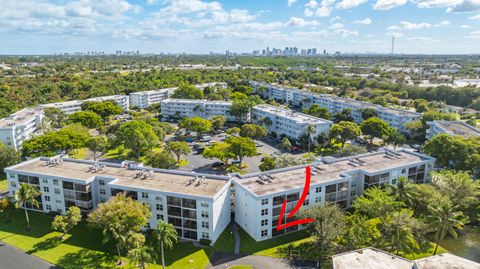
467	244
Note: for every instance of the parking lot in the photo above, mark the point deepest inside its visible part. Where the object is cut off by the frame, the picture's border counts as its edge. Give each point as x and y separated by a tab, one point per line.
197	163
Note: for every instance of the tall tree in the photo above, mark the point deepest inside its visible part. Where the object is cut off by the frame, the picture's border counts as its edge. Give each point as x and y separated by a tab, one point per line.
400	230
267	163
240	108
309	131
188	92
118	218
253	131
163	159
457	186
318	111
65	223
369	113
165	236
55	116
444	219
241	147
104	109
326	228
285	144
135	135
27	195
97	144
396	139
196	124
345	130
88	119
178	148
8	157
218	121
375	128
344	115
220	151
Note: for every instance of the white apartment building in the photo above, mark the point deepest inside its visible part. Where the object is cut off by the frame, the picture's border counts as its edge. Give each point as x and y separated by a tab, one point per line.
187	108
459	128
70	107
20	126
198	205
259	197
304	99
144	99
288	122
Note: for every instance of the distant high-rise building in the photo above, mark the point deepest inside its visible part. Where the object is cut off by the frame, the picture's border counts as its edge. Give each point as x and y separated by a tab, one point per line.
314	51
324	52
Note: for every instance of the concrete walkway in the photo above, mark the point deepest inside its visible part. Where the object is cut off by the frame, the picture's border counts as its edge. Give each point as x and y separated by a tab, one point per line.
225	260
236	235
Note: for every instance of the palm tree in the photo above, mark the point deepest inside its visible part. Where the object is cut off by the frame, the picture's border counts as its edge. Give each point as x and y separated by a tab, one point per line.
445	219
27	194
403	190
309	131
165	235
140	256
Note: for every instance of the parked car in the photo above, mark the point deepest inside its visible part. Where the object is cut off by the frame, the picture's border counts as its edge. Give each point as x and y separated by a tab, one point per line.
235	162
205	138
217	164
189	139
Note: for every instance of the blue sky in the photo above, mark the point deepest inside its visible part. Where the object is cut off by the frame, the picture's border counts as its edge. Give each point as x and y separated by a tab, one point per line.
197	26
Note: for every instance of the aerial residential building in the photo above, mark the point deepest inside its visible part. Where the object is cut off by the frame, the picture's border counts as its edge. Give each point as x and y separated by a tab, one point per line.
303	99
187	108
372	258
259	197
70	107
288	122
198	205
144	99
459	128
20	126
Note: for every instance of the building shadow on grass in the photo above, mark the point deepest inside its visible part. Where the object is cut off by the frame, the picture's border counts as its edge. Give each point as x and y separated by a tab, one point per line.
87	259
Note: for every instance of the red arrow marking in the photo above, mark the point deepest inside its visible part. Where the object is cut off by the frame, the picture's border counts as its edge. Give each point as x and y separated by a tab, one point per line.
299	204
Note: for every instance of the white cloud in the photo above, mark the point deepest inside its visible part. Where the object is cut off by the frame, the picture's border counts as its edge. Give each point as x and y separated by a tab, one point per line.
334	19
364	21
336	26
393	28
323	12
435	3
476	17
423	39
291	2
346	4
465	26
327	3
311	4
445	23
474	35
388	4
395	34
308	12
299	22
465	6
414	26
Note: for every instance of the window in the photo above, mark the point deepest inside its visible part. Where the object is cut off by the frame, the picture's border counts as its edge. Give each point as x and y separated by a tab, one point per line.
394	181
159	207
57	191
404	170
318	199
306	202
49	207
264	212
45	181
204	214
58	201
264	233
159	217
159	198
101	182
264	222
55	182
318	189
203	204
353	193
45	189
13	184
47	198
205	224
205	235
102	191
148	225
145	195
12	175
265	201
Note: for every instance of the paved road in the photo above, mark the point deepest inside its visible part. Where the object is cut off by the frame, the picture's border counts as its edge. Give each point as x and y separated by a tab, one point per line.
224	260
12	258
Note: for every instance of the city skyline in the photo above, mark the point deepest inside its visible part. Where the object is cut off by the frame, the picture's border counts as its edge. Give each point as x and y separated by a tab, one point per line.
201	27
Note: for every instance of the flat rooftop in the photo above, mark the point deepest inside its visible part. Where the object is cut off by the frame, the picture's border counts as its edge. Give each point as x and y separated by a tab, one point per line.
166	181
79	102
20	117
287	113
458	128
328	170
369	258
446	261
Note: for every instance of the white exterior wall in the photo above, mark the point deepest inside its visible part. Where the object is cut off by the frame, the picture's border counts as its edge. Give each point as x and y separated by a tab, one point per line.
20	126
220	212
195	108
71	107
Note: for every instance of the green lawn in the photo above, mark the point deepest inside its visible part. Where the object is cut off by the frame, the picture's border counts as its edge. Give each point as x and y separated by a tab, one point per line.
425	253
240	267
226	241
83	248
3	185
279	247
79	154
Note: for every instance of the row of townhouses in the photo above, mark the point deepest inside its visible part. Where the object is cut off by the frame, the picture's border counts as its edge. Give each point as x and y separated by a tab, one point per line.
27	122
300	98
280	121
201	205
